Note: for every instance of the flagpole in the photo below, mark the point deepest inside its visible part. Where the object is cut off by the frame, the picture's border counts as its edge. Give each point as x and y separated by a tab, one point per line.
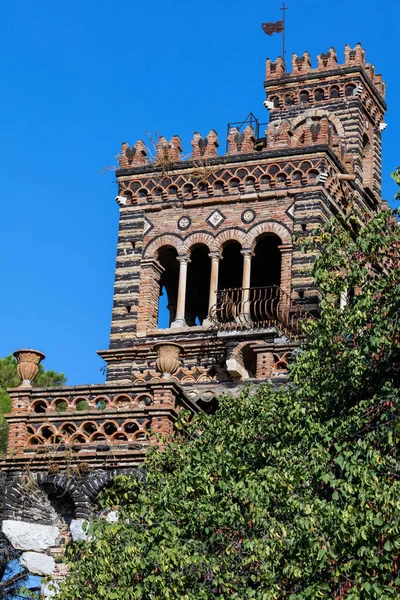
283	9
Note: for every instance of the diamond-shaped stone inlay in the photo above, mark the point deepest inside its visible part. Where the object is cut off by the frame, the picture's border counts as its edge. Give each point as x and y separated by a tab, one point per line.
148	225
215	219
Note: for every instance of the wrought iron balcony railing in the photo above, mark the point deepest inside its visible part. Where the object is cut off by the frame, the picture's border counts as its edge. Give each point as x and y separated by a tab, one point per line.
258	308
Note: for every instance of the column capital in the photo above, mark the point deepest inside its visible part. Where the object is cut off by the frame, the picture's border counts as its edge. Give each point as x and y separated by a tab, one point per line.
215	255
183	258
247	252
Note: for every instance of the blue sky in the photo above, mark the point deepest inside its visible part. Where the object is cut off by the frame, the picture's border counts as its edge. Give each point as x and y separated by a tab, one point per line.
78	78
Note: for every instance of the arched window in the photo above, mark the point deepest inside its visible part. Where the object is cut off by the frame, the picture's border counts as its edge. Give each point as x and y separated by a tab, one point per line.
349	89
266	262
289	100
319	95
219	187
304	97
172	192
231	266
187	190
234	184
203	187
334	92
250	184
168	287
142	194
281	178
198	286
275	100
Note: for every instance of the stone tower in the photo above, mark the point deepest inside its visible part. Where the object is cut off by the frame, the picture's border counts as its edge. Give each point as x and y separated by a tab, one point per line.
216	235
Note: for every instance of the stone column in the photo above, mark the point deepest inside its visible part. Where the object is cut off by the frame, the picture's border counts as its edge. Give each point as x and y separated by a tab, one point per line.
245	304
212	298
181	304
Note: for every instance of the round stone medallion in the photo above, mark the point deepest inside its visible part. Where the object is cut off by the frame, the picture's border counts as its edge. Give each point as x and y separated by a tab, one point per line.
248	216
184	222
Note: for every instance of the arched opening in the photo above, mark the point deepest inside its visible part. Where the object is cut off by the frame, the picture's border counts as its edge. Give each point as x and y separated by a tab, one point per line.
40	406
349	89
275	101
231	267
304	97
266	262
61	502
334	92
168	287
198	285
265	280
319	95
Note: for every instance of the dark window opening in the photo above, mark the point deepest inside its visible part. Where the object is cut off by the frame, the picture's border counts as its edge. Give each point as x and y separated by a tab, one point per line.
40	407
198	286
168	284
275	101
266	262
173	191
231	267
188	189
219	186
318	95
349	90
304	97
61	502
289	100
334	92
265	279
109	428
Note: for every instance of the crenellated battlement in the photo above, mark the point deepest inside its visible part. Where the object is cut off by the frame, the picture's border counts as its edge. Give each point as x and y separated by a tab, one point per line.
327	63
339	106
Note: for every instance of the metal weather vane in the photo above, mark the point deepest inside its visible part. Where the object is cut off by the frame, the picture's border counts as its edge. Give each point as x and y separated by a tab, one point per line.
277	27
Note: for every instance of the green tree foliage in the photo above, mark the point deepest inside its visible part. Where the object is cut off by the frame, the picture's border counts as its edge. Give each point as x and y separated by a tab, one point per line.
9	379
396	177
283	494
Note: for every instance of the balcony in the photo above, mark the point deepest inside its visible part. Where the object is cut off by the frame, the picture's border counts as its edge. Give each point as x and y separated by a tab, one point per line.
258	308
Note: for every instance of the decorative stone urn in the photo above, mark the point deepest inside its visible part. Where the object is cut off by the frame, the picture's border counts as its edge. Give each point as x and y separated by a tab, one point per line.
168	358
28	365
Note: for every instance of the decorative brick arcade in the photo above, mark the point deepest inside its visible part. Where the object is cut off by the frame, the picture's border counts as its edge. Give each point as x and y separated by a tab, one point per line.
217	235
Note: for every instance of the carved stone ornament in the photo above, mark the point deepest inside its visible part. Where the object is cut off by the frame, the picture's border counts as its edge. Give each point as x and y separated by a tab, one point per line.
28	365
184	223
248	216
167	361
